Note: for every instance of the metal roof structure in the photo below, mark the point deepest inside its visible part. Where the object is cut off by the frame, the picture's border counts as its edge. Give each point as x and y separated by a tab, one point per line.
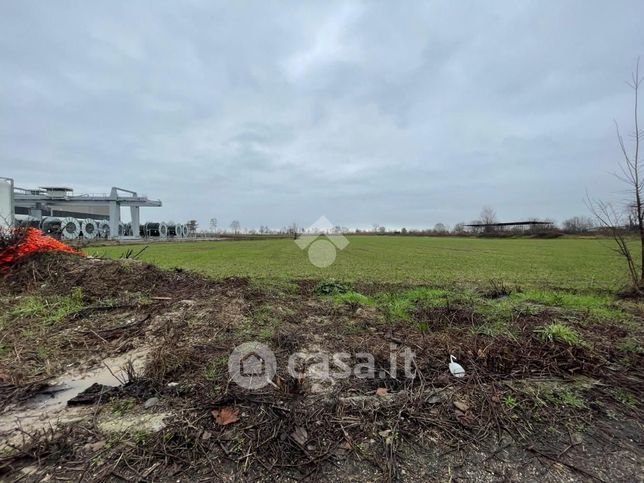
61	198
512	223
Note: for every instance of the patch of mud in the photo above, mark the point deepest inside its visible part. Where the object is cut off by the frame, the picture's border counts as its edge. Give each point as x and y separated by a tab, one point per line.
49	407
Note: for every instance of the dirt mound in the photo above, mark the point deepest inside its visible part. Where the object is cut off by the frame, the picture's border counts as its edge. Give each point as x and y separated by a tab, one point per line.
16	243
59	272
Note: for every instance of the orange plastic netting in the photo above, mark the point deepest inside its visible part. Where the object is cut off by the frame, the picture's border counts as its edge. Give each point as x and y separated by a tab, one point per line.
33	241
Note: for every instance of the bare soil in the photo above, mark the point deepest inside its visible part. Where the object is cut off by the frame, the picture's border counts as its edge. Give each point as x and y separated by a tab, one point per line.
528	409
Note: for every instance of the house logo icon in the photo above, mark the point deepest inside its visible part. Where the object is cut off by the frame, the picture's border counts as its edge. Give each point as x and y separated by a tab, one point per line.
252	365
322	241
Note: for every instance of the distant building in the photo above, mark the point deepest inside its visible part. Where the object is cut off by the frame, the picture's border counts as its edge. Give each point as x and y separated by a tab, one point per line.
37	205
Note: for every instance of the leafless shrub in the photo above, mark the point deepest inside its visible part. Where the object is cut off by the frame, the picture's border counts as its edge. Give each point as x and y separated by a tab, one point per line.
605	213
612	221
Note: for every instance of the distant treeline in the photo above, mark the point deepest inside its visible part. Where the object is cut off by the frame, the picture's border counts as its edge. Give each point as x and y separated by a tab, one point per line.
487	227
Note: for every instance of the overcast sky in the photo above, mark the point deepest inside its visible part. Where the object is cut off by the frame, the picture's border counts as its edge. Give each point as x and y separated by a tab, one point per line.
397	113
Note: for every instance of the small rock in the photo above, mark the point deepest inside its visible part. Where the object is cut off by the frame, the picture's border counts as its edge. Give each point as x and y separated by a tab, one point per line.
300	435
435	399
153	401
461	406
173	384
29	470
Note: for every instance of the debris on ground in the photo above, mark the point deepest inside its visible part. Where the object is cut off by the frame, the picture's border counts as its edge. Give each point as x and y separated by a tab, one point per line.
18	242
455	368
140	383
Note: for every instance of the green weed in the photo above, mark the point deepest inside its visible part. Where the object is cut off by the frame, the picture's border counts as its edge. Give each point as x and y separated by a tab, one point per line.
395	307
217	369
274	287
597	306
626	398
631	345
263	322
494	329
352	298
265	315
29	306
331	287
266	333
428	297
558	332
510	401
560	395
50	309
570	398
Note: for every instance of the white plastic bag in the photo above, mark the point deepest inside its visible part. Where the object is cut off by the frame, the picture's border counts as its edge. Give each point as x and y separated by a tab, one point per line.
455	368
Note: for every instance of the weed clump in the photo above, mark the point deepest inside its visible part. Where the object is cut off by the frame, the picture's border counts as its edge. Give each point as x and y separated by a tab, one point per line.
331	287
558	332
50	309
497	290
566	397
352	298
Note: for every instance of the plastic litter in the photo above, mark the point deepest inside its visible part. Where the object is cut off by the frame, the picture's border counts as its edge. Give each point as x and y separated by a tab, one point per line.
455	368
32	241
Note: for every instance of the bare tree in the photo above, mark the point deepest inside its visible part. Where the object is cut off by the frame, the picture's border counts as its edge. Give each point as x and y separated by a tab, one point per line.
488	215
475	226
192	226
293	230
235	226
578	224
606	215
440	228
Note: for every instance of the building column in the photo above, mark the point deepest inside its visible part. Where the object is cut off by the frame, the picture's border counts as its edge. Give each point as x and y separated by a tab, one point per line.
36	213
115	218
136	221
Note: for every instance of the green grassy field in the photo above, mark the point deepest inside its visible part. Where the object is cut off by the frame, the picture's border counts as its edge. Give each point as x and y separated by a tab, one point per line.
558	263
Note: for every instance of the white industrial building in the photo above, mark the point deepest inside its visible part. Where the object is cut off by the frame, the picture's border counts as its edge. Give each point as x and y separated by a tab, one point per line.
85	215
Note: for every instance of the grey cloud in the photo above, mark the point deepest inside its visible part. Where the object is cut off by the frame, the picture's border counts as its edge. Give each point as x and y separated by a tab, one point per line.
403	113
